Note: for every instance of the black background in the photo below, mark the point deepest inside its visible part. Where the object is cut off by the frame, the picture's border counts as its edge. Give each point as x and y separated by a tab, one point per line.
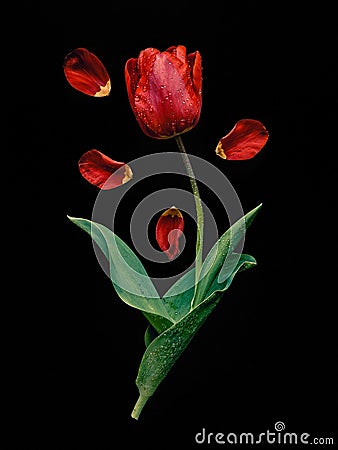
268	352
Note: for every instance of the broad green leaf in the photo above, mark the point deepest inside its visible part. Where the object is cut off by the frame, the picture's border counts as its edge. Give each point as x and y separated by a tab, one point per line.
227	273
158	322
149	335
221	259
163	351
127	273
178	297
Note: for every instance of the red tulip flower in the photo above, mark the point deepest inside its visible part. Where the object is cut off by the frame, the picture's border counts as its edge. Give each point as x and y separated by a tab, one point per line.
244	141
86	73
165	90
169	229
102	171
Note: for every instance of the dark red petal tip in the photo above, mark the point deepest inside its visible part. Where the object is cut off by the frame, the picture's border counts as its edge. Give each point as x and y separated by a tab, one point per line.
244	141
169	229
102	171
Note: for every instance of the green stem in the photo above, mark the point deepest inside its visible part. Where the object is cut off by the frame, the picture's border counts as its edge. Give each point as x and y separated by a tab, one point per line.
142	400
199	212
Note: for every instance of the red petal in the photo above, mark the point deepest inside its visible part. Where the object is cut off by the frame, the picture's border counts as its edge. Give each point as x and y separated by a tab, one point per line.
244	141
195	62
169	229
102	171
86	73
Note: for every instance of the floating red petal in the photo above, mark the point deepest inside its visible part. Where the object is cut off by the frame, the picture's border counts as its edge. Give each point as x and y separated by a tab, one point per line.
169	229
244	141
86	73
102	171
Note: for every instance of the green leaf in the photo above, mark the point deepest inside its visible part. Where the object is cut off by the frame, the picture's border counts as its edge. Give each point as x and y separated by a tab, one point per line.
127	273
223	281
178	297
149	335
221	259
163	351
158	322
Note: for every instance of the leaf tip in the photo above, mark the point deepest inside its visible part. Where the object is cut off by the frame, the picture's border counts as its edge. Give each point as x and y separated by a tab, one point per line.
71	218
258	207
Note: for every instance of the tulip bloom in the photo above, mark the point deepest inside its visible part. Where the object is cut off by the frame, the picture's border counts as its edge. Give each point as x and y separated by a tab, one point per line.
169	229
86	73
244	141
102	171
165	90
